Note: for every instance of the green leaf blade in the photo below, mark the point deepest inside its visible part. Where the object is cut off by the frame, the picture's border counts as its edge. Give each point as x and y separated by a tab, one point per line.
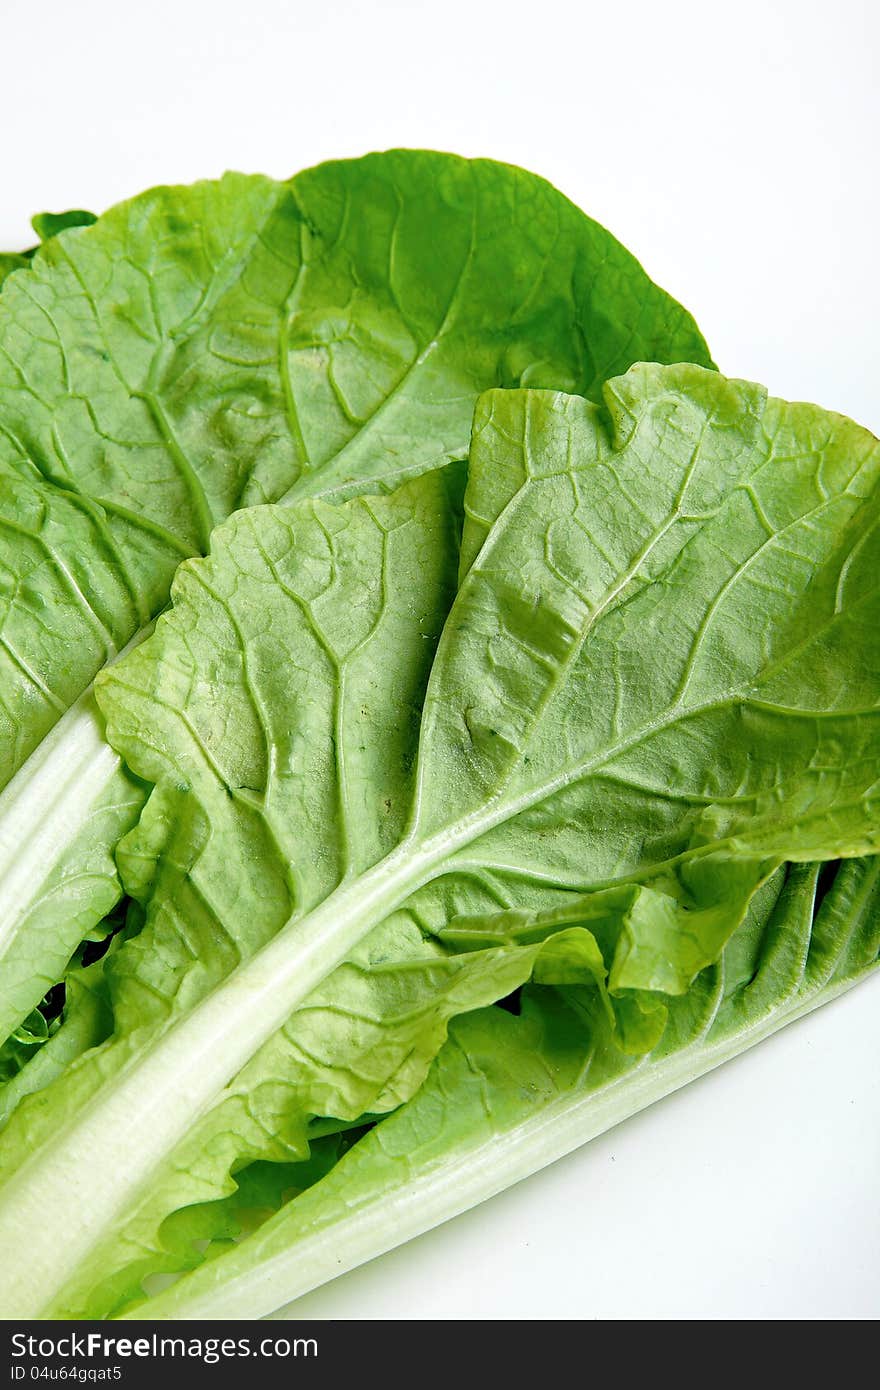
204	349
199	350
537	772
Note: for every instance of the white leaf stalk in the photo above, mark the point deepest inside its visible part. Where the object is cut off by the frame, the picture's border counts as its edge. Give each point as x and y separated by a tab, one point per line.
57	876
84	1183
463	1176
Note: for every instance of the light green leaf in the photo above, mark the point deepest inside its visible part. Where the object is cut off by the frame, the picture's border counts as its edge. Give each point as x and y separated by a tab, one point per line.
661	670
390	563
509	1095
361	1044
203	349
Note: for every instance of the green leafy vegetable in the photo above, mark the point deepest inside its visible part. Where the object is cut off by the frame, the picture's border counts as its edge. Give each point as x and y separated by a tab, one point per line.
360	1046
656	682
509	1095
199	350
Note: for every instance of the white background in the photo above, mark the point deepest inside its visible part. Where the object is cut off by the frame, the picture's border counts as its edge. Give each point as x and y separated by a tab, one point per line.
734	150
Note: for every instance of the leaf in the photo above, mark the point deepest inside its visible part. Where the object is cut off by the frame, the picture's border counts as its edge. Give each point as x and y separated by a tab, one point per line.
360	1045
27	1039
509	1095
393	562
203	349
736	592
48	224
87	1021
201	1232
9	261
